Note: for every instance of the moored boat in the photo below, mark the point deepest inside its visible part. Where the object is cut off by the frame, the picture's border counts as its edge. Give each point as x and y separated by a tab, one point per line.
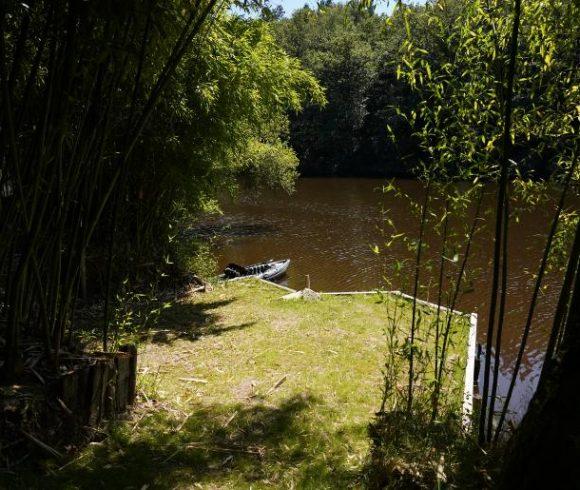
266	270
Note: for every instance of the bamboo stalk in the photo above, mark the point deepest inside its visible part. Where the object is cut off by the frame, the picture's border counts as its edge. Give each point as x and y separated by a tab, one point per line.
533	302
440	282
415	294
500	321
64	175
501	199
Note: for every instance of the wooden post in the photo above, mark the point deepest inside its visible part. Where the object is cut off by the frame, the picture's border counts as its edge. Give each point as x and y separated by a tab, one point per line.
100	389
131	349
96	394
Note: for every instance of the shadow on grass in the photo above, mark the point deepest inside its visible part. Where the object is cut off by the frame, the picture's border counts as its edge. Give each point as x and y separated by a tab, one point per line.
192	321
234	446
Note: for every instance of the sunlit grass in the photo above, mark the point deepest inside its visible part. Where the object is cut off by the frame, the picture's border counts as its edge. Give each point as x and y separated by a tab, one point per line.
242	389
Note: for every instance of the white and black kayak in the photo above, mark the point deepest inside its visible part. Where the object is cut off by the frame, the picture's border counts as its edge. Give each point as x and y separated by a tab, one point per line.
266	270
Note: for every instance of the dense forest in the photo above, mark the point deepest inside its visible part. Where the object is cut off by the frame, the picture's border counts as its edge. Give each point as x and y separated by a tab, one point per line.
124	122
368	127
354	54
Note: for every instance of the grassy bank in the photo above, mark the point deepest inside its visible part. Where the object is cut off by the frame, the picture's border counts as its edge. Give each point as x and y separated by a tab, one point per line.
242	389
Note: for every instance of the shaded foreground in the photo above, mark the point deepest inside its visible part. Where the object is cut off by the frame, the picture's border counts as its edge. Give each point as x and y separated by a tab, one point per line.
240	388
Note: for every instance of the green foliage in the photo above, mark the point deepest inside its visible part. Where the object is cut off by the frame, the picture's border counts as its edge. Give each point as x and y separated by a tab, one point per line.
354	53
80	81
266	163
341	46
411	452
134	312
429	74
119	122
499	104
459	116
194	256
417	440
223	121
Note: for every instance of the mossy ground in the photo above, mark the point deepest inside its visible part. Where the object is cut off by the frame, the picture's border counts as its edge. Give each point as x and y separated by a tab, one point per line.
240	389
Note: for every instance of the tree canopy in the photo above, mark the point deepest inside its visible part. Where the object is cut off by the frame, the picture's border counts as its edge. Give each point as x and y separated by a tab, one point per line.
354	53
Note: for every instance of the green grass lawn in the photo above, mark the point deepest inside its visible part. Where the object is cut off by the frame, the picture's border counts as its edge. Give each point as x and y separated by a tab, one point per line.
240	389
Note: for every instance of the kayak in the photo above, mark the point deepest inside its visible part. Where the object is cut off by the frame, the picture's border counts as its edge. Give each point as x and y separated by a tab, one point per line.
266	270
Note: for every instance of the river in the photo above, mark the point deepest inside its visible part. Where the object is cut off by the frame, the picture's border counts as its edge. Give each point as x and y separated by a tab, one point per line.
327	228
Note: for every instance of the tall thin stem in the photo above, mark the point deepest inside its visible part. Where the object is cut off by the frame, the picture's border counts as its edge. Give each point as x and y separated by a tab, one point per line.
415	293
440	295
501	196
533	302
500	321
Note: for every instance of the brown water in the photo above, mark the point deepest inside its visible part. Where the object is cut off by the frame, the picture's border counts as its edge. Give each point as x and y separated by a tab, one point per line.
328	226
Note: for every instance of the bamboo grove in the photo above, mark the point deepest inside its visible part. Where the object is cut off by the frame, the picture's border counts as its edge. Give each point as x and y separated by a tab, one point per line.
116	118
506	95
68	131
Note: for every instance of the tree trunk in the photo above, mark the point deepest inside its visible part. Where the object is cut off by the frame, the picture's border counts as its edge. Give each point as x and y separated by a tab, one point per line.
546	447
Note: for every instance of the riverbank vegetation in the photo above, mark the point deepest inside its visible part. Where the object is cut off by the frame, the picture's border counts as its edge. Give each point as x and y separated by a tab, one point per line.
355	53
352	52
375	113
108	152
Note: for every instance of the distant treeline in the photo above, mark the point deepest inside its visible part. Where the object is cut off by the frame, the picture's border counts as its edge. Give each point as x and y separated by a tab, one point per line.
365	129
354	53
